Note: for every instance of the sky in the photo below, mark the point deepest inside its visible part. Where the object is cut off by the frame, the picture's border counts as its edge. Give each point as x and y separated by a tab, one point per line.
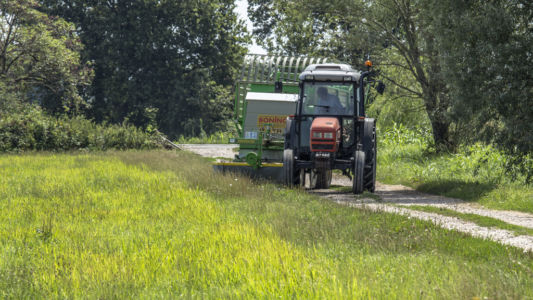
242	5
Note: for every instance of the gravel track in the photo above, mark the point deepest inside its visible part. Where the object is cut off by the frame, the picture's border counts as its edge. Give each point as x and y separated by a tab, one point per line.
211	150
394	196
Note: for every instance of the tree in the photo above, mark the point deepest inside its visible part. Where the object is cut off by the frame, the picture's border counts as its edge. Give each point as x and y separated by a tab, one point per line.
488	58
398	33
39	58
170	57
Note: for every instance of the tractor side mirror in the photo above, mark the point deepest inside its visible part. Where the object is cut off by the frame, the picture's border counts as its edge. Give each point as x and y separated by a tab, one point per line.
380	88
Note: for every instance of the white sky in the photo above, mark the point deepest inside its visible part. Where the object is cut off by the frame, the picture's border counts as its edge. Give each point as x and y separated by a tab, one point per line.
242	5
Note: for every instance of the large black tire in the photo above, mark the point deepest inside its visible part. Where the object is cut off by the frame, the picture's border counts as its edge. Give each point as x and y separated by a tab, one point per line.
289	133
290	174
358	172
370	145
370	176
323	179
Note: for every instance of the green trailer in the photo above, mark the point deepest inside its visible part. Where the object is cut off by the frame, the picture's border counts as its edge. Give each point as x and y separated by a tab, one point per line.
266	93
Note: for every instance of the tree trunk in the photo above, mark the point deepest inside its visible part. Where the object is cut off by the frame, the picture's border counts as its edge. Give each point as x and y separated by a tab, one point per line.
441	134
436	108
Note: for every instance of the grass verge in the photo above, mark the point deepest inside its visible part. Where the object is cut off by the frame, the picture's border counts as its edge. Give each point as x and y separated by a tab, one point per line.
161	224
474	174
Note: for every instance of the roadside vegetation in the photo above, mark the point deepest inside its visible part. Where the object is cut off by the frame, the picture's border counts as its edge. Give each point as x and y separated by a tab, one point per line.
162	224
474	173
30	129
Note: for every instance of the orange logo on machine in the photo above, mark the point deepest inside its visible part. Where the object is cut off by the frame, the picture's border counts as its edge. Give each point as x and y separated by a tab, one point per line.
276	122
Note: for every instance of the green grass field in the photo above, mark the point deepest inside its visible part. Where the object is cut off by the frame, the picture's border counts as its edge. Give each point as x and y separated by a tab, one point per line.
162	225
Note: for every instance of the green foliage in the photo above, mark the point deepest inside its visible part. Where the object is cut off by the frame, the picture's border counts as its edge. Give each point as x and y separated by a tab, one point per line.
164	225
178	57
31	129
469	63
398	34
474	173
391	111
39	57
488	61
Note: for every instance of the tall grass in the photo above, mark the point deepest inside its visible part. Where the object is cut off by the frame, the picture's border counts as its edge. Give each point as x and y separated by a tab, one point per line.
477	173
160	225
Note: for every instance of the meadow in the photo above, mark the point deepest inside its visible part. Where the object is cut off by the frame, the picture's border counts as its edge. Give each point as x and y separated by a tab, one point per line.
161	224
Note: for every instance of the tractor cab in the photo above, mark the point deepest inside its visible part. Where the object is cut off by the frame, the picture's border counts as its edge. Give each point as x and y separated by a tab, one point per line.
329	129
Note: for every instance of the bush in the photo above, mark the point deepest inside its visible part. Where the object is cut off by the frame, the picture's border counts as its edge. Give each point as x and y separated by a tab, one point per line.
474	162
31	129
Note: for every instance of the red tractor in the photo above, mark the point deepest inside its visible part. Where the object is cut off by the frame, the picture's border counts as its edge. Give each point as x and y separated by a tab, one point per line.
330	129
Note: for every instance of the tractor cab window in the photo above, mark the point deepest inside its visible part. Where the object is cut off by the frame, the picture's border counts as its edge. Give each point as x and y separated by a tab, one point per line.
328	98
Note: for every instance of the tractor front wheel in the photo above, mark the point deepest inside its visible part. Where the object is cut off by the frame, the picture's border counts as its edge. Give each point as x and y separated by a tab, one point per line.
358	171
323	180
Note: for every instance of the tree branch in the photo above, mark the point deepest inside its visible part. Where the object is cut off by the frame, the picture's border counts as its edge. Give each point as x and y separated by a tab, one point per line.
402	86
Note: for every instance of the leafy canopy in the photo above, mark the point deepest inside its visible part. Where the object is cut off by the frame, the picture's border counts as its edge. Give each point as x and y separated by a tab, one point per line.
174	59
39	58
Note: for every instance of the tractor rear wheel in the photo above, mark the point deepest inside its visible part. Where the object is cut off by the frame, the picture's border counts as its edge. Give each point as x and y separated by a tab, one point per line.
358	172
290	176
323	180
371	156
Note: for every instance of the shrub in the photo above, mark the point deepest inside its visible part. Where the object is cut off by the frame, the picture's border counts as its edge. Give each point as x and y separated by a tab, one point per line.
31	129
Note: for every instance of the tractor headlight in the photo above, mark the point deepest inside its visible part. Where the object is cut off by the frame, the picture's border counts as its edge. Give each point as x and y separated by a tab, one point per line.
328	135
317	135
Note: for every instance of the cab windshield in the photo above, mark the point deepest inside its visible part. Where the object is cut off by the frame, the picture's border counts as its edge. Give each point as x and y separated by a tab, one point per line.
328	98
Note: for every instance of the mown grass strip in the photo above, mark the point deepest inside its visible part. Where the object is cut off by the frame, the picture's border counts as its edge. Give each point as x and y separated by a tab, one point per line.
477	219
161	224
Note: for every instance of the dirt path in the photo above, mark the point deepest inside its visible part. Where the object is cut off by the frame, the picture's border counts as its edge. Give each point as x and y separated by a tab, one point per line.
211	150
397	199
394	196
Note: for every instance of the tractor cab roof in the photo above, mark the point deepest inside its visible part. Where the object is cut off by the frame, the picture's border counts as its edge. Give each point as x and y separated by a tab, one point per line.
330	72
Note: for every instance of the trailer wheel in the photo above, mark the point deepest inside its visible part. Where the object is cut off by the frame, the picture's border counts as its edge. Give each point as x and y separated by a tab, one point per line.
323	179
358	172
290	176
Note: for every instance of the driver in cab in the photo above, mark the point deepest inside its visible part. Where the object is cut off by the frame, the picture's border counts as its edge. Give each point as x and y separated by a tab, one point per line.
328	104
